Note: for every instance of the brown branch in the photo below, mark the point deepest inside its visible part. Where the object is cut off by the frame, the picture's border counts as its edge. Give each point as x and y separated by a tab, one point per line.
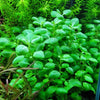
12	69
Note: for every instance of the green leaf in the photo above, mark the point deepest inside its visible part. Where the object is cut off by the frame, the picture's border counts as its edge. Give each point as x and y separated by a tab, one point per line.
65	65
22	50
90	33
67	58
39	20
12	82
75	56
98	59
58	50
54	74
18	59
40	31
19	71
38	64
74	46
67	12
70	70
22	38
59	82
45	80
54	14
36	38
96	21
31	27
36	23
88	78
75	21
51	41
28	33
6	53
80	73
65	83
57	21
29	74
93	42
91	27
24	63
93	50
38	54
40	47
26	36
50	90
65	48
50	65
68	22
3	41
81	35
61	91
66	28
76	67
76	96
73	83
83	58
34	18
93	60
32	80
88	86
48	24
48	54
60	32
16	30
89	69
38	85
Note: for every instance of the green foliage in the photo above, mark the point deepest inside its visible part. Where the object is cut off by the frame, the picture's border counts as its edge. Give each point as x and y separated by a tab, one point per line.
59	58
19	12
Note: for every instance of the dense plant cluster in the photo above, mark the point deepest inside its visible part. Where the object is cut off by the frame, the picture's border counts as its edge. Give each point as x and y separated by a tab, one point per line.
53	59
19	12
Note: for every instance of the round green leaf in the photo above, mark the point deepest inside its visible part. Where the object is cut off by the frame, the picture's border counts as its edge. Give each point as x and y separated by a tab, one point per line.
54	74
61	90
18	59
67	58
40	31
38	85
50	90
88	78
48	24
6	53
54	14
75	21
80	35
73	83
51	41
38	64
88	87
22	50
48	54
70	70
24	63
89	69
65	65
38	54
80	73
93	60
50	65
67	12
3	41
